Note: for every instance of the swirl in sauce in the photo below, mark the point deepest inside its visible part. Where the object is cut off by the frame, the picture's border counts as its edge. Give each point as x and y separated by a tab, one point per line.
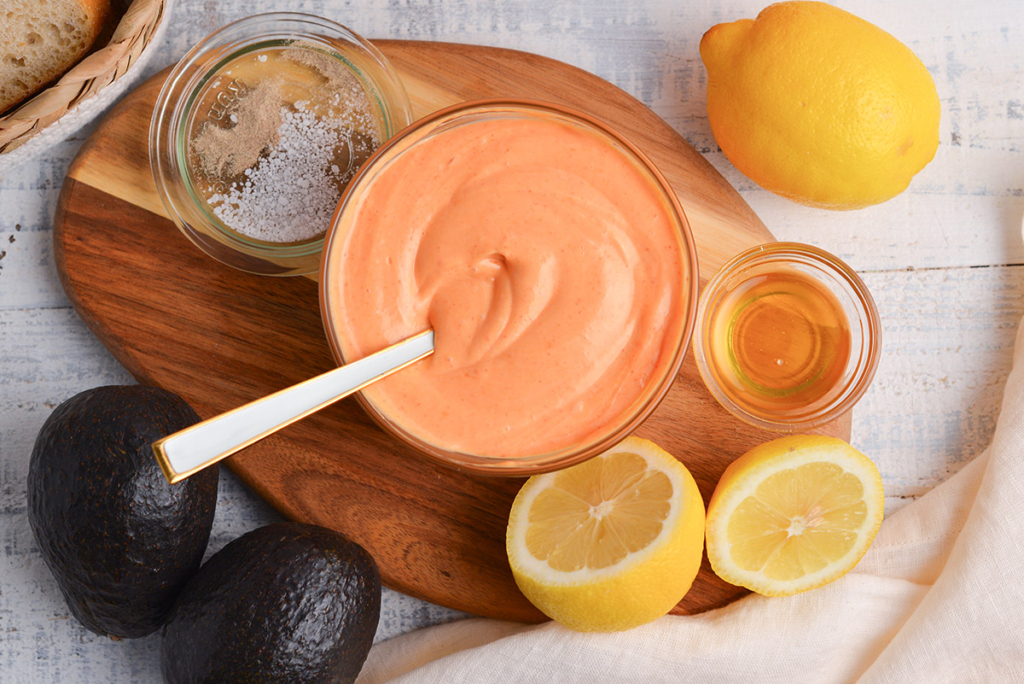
548	265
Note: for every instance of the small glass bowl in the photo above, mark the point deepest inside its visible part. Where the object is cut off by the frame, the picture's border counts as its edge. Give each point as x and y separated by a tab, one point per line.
468	113
825	270
176	108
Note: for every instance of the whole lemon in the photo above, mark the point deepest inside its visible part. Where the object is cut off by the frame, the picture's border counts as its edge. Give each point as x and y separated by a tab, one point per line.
820	106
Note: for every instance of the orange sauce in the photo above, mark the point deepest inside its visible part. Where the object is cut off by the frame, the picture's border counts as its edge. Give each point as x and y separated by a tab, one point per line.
548	265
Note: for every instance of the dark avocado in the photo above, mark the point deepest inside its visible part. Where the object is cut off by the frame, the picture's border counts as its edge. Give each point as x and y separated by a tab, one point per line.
120	540
289	603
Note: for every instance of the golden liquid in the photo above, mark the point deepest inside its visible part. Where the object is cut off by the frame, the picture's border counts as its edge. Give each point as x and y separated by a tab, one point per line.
781	341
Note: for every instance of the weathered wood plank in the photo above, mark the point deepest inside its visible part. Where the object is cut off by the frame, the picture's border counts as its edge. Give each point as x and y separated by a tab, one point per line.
947	347
948	331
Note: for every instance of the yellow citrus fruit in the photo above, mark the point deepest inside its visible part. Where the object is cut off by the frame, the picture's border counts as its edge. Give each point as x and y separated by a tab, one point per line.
820	106
793	514
611	543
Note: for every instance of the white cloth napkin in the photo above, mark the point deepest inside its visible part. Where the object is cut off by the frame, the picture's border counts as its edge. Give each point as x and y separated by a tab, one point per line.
938	598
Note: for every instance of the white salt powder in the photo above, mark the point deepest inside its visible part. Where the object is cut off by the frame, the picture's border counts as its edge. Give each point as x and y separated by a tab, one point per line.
273	167
291	193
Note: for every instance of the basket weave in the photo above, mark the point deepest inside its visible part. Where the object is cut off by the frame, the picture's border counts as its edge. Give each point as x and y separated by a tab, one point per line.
85	79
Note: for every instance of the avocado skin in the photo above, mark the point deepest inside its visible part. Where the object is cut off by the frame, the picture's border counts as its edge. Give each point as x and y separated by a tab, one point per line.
288	602
120	540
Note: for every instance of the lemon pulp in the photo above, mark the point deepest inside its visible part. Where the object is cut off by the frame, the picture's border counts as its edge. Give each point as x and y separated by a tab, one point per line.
798	521
793	514
596	514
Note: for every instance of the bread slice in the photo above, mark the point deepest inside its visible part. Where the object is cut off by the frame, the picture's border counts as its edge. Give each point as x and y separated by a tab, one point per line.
42	39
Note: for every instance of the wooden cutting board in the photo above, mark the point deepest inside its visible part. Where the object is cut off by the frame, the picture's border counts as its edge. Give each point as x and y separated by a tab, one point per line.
220	338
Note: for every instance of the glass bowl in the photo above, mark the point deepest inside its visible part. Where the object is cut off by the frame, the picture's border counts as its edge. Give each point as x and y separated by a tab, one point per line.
485	110
717	327
178	103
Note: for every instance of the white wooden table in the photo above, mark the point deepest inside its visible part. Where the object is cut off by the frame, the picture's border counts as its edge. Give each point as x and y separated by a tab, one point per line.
943	261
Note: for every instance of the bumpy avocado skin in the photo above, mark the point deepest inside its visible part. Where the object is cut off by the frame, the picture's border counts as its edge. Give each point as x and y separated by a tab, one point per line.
287	602
120	540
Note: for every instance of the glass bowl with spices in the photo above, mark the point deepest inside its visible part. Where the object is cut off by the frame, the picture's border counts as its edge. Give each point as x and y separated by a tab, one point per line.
258	130
788	337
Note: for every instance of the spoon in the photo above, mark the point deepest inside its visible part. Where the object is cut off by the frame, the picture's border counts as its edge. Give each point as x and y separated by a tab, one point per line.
188	451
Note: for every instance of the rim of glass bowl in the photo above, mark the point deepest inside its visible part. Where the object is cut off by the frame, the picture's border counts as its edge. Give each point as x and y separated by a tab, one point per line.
870	326
173	112
444	120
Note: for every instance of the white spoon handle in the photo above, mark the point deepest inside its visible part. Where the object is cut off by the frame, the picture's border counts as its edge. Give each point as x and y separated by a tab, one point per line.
203	444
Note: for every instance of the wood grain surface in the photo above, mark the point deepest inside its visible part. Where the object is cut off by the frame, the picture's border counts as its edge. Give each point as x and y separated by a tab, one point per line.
219	337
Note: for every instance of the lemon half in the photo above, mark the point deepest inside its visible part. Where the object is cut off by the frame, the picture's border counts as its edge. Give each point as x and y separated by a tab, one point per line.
793	514
609	544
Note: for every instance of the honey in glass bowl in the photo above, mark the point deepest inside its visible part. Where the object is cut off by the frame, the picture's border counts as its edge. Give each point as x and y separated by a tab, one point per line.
787	337
783	339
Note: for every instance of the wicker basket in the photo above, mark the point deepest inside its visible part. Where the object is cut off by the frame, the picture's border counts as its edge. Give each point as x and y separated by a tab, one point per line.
136	28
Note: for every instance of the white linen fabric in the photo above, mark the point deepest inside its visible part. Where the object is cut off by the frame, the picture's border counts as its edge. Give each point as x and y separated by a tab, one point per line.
939	597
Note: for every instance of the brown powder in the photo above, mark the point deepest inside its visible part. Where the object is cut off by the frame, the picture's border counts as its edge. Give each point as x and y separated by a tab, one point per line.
225	151
328	67
284	133
228	152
